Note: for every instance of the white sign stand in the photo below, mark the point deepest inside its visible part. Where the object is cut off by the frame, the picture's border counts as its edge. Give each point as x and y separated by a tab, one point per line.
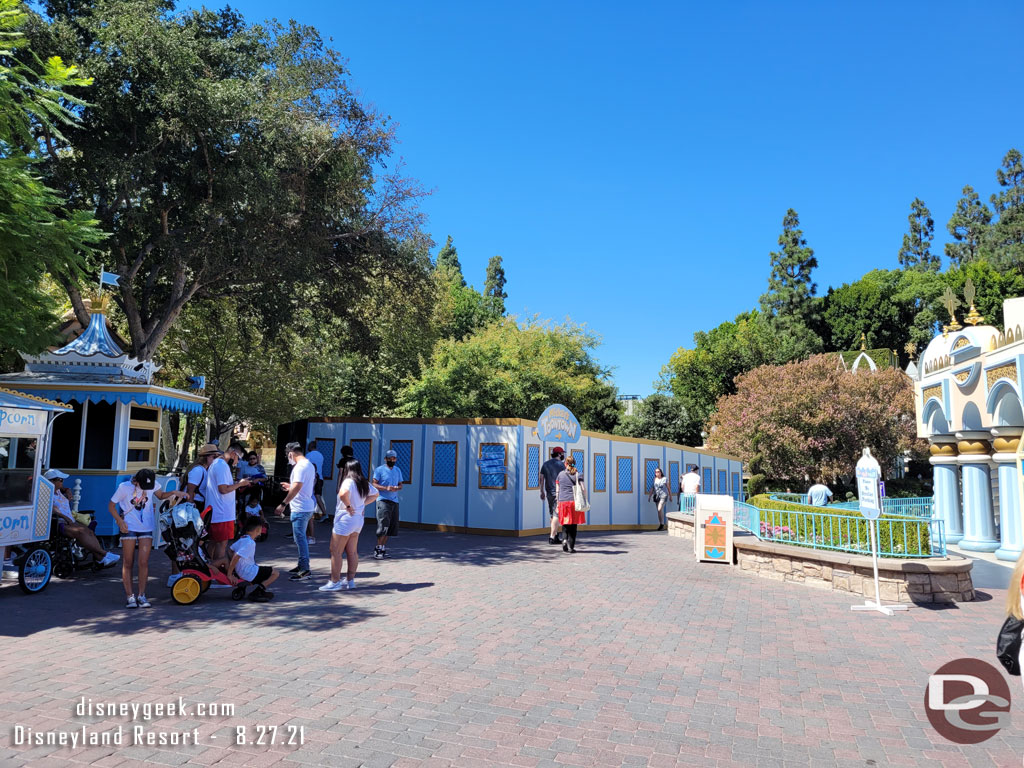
870	497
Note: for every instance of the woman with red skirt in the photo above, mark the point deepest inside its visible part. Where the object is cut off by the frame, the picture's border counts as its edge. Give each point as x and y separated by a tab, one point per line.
568	515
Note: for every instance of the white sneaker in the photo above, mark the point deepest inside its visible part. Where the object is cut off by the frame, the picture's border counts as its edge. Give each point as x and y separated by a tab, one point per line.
311	540
351	583
131	602
109	559
172	579
142	602
332	586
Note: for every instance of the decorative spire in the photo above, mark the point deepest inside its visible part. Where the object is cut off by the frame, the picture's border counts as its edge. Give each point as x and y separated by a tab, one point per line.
863	342
951	302
911	349
969	293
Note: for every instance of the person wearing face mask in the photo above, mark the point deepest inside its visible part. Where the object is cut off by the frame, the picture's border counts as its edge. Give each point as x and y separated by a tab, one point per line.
220	495
388	480
299	492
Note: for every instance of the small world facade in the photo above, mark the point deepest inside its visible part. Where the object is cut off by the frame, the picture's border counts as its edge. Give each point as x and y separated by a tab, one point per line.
483	475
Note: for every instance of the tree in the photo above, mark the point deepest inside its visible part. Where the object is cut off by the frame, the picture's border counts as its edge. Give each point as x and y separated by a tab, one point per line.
992	287
1006	235
494	286
969	226
513	369
225	160
448	260
698	377
871	305
37	232
658	417
809	420
916	249
788	304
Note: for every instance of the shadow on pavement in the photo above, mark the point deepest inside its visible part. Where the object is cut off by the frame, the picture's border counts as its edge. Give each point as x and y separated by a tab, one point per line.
93	603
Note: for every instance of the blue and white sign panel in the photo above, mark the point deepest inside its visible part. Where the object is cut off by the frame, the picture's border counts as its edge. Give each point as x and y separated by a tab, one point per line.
557	424
22	421
868	492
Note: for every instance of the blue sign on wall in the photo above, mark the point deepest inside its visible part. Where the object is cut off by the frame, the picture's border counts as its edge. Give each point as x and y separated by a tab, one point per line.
557	424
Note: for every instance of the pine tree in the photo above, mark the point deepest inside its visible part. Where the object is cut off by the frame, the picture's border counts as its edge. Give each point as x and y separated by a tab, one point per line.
448	259
495	284
917	243
789	302
789	286
1006	235
969	227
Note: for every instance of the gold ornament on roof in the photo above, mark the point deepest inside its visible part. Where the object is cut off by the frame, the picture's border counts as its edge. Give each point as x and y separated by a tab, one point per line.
98	302
969	293
911	349
951	302
863	342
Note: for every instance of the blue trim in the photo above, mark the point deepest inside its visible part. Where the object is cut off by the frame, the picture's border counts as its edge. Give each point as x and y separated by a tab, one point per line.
139	398
945	402
423	468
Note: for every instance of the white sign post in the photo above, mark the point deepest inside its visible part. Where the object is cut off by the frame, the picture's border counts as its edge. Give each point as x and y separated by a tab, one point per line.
869	493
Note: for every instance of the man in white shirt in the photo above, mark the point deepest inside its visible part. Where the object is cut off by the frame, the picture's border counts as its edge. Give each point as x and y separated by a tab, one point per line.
689	484
299	491
220	496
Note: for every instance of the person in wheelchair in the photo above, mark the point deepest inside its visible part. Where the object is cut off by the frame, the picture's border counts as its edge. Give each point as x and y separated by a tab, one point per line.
68	526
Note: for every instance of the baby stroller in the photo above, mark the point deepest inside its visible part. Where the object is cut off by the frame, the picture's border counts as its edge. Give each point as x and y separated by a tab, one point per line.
243	499
183	531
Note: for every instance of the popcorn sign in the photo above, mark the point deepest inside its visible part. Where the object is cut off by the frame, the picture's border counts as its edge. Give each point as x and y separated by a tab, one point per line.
22	421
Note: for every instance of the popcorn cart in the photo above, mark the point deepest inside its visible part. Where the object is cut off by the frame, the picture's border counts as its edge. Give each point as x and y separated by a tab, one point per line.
26	497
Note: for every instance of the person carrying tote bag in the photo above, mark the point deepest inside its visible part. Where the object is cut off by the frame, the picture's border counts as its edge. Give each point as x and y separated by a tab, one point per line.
1008	643
572	502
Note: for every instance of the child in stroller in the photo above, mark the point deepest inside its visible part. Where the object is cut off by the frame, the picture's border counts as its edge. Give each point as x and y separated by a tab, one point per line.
250	506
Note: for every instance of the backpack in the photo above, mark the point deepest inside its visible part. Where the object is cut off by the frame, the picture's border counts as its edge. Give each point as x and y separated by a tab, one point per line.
1008	644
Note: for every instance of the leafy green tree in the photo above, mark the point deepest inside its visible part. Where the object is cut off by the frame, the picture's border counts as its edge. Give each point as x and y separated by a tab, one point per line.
448	260
969	226
658	417
1006	235
513	369
698	377
921	291
494	286
788	305
992	287
916	249
225	159
871	305
37	232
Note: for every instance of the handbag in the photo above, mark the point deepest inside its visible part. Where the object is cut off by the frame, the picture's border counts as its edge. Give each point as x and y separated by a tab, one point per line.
578	497
1008	644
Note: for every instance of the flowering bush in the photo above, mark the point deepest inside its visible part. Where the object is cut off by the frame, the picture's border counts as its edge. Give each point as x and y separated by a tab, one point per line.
811	418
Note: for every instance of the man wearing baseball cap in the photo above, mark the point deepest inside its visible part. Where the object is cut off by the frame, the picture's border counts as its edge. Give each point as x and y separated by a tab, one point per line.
549	475
387	479
71	527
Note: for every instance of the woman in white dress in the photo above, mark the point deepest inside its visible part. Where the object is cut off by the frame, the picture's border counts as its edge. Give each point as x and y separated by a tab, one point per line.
354	493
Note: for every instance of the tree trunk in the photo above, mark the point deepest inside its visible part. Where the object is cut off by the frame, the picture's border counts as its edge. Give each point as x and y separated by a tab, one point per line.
186	442
167	439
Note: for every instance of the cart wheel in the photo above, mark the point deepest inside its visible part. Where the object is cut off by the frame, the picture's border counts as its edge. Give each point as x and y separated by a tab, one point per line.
186	590
238	593
206	585
34	572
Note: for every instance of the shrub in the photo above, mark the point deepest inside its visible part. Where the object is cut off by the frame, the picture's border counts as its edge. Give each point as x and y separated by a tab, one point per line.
897	535
757	484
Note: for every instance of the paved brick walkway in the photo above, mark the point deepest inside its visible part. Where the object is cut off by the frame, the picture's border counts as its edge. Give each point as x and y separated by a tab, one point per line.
467	651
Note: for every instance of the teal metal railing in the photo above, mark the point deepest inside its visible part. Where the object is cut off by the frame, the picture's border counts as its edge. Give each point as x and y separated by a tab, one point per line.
917	506
896	534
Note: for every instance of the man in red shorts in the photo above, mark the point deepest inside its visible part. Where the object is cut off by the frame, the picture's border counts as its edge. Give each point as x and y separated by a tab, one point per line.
220	495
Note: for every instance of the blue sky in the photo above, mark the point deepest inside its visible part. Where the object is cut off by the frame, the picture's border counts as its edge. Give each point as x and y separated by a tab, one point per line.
632	162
